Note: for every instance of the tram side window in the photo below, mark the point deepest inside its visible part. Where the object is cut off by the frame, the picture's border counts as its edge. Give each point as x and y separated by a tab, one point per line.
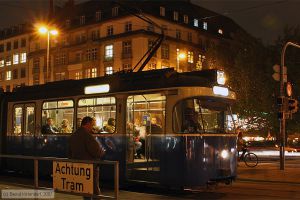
102	109
147	113
29	120
57	117
197	116
18	116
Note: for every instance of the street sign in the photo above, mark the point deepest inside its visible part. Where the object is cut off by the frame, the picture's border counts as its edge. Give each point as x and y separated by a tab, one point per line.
73	177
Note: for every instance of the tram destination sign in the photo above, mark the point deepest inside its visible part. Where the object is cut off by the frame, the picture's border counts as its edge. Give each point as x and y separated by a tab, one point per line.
73	177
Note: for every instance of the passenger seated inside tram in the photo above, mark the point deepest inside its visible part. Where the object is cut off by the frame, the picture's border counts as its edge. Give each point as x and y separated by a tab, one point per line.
190	123
65	127
131	129
111	126
49	128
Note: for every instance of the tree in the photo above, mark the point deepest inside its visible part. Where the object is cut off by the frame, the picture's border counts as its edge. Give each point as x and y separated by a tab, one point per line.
248	64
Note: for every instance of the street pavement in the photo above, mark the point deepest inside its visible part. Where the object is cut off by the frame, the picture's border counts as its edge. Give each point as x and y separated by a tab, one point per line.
266	181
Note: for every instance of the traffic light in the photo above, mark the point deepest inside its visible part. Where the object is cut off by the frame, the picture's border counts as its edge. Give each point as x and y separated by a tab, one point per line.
293	105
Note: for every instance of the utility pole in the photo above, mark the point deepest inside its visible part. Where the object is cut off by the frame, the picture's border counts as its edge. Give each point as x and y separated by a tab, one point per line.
283	109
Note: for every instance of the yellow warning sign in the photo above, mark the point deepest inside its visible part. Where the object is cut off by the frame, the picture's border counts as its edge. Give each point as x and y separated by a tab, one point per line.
73	177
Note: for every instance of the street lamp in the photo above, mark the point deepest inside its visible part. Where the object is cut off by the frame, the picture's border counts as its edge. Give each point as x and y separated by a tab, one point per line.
45	30
180	56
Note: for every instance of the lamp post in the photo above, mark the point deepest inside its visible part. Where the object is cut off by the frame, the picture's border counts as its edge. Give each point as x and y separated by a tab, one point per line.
180	56
45	30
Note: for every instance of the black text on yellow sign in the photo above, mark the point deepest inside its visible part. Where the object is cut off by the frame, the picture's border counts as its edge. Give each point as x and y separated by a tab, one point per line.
73	177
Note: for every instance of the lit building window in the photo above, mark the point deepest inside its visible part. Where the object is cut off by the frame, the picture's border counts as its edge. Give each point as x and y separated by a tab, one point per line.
94	72
23	58
220	31
88	73
98	16
59	76
1	62
109	70
128	26
127	67
152	66
164	67
8	61
115	11
78	75
205	25
109	49
175	16
8	75
185	19
196	23
16	59
110	30
190	57
162	11
82	20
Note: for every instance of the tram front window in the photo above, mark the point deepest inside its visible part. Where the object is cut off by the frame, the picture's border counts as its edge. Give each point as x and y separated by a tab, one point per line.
199	116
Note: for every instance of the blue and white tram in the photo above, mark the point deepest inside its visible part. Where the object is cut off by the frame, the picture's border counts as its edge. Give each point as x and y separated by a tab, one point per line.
170	128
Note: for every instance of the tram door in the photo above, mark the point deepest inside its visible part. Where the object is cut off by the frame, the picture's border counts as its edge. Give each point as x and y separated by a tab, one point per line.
145	126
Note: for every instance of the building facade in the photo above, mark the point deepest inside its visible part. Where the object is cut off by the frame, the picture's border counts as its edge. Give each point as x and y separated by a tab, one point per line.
98	38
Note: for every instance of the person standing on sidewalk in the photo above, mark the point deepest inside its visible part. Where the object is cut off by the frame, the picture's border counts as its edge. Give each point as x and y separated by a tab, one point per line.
83	146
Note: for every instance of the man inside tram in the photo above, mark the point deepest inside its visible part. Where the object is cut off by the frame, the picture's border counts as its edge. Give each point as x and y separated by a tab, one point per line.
49	128
191	124
155	127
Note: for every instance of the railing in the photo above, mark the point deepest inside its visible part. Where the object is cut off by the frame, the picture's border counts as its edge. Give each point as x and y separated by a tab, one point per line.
36	169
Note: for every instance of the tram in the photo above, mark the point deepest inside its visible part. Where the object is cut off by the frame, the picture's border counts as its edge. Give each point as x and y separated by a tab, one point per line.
169	128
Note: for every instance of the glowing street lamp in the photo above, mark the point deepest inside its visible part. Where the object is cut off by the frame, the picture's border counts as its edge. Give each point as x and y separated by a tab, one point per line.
43	30
180	56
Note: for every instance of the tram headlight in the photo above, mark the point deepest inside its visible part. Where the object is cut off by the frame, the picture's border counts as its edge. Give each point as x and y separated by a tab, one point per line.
224	154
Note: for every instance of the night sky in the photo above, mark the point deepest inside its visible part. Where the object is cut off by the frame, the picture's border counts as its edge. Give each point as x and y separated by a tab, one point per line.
263	19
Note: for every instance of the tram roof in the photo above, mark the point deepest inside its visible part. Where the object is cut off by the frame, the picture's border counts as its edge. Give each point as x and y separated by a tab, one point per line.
119	82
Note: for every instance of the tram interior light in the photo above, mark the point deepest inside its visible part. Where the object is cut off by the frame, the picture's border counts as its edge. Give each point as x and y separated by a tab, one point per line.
96	89
221	77
220	91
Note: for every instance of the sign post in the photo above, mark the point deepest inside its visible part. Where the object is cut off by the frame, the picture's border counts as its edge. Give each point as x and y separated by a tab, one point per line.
282	94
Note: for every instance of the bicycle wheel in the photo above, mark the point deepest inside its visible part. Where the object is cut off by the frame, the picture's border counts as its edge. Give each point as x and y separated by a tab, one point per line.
251	159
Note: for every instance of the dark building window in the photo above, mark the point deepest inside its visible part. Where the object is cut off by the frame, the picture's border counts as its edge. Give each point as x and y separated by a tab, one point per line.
178	34
151	45
1	47
8	46
15	74
128	26
110	30
92	54
16	44
23	42
165	51
98	16
23	72
126	48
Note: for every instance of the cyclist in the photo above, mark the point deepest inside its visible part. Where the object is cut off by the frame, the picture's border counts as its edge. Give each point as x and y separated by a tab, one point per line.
241	145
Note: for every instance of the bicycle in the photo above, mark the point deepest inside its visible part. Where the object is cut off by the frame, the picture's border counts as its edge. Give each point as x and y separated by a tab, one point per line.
250	159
